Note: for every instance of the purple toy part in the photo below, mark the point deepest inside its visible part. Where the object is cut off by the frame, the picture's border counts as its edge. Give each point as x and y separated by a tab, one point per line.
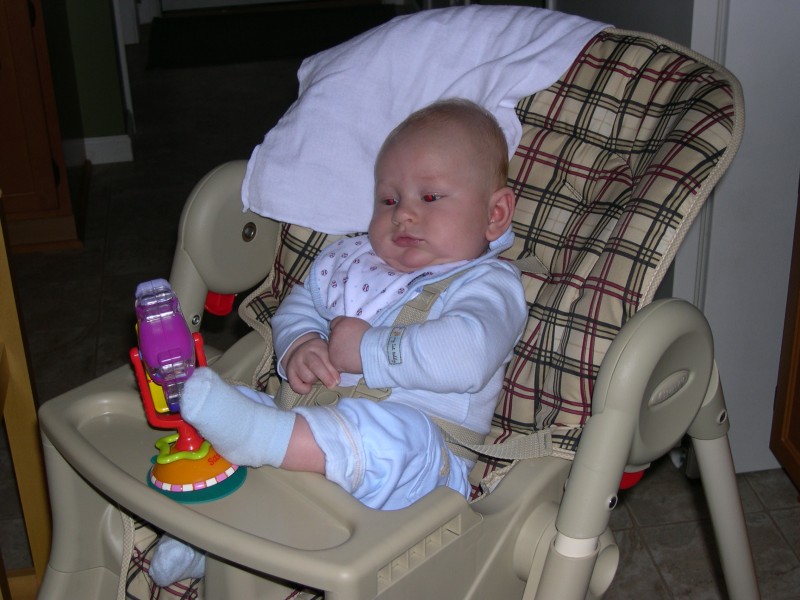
165	342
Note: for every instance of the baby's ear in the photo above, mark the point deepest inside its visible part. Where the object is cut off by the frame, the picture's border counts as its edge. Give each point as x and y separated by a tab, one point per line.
501	210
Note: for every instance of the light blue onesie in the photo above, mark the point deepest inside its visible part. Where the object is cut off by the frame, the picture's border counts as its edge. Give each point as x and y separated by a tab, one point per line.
389	454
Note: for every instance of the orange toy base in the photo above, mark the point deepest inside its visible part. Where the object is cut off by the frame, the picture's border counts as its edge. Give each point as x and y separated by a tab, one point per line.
188	471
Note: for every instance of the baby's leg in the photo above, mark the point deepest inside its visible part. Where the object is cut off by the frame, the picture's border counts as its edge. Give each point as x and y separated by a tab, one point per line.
386	454
242	425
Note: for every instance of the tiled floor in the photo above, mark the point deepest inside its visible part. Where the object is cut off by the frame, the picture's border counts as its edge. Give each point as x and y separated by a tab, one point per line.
77	309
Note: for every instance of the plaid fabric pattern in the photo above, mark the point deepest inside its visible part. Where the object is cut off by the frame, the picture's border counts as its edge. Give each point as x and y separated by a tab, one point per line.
615	161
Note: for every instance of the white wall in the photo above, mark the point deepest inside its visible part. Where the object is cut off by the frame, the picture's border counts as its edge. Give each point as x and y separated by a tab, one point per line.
753	222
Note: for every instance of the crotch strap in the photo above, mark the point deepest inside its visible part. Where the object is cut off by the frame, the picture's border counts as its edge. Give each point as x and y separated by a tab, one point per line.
319	395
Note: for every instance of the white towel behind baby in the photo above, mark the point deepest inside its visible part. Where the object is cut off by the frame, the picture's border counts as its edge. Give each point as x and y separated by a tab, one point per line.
315	168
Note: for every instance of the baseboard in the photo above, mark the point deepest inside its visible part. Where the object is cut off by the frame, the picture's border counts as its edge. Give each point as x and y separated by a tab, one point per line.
98	150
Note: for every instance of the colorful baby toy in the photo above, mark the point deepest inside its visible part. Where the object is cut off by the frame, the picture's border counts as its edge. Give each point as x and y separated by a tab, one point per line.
186	468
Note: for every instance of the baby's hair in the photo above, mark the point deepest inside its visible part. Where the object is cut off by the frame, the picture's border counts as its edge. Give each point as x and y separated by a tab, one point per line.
477	121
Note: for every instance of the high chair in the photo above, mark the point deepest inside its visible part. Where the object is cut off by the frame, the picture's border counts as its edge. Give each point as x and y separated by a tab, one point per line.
615	162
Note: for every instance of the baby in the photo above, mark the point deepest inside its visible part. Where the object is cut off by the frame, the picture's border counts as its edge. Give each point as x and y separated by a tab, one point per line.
442	208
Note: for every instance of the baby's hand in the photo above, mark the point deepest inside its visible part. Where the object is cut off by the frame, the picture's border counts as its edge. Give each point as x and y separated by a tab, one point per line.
344	345
307	362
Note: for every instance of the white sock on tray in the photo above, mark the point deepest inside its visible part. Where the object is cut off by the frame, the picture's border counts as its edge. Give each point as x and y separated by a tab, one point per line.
242	430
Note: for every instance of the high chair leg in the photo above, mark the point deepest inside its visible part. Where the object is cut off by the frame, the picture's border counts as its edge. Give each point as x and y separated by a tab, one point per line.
709	433
567	571
722	495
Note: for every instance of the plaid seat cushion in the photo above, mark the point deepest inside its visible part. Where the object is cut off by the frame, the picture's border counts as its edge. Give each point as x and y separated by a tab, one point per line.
615	162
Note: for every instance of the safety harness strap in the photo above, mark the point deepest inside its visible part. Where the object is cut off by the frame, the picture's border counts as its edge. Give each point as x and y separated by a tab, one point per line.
417	310
468	444
319	395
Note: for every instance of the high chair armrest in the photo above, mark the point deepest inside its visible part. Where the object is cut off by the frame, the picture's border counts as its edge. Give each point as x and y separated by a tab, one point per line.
651	385
221	248
657	382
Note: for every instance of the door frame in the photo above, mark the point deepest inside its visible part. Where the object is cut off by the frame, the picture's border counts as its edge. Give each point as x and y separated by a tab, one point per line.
785	439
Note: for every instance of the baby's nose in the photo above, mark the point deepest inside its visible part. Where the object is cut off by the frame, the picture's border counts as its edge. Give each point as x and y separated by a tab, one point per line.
404	212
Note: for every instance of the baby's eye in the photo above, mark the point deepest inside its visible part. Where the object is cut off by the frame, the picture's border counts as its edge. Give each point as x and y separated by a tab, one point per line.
389	201
431	197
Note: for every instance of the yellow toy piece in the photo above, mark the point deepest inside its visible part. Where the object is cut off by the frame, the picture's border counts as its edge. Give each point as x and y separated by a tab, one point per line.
157	394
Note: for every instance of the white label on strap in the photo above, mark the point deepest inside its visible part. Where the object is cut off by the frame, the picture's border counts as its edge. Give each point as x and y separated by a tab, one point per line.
393	353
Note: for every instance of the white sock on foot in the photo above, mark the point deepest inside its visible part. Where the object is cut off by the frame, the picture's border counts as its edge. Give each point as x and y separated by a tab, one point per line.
173	560
240	429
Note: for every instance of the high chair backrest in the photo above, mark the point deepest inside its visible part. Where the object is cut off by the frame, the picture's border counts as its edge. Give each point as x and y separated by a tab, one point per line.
615	162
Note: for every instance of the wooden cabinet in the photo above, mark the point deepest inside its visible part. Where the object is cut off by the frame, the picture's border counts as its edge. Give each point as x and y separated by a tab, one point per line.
33	179
18	409
785	439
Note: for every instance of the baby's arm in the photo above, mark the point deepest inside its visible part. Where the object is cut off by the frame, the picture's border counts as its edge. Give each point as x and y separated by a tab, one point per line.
298	333
344	344
308	361
460	348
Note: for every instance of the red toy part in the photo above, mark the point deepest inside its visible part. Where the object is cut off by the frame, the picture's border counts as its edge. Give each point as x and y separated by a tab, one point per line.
631	479
219	304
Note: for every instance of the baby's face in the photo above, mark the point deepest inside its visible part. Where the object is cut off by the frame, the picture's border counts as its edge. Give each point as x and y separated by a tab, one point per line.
431	200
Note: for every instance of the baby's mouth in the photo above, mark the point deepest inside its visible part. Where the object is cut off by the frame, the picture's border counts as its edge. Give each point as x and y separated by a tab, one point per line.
406	241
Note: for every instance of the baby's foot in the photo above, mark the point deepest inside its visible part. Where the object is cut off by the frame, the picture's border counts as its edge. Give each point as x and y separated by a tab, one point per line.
202	401
244	431
173	560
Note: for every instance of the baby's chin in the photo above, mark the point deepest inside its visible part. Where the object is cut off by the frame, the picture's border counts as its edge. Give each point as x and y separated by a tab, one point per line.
408	262
411	259
406	267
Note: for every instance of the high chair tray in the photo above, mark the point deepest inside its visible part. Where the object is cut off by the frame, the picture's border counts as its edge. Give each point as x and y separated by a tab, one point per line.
292	525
